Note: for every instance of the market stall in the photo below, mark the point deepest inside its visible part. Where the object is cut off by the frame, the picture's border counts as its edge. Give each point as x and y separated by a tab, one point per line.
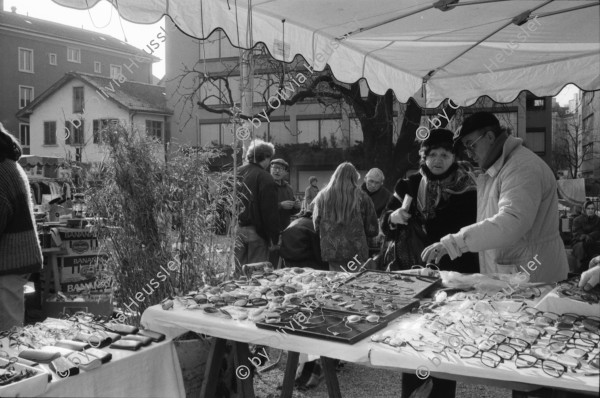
442	338
77	358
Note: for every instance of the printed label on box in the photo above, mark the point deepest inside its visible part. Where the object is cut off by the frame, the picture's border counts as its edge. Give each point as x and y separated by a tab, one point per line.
80	246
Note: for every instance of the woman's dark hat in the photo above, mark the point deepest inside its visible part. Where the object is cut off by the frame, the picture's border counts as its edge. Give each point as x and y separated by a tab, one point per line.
478	121
438	138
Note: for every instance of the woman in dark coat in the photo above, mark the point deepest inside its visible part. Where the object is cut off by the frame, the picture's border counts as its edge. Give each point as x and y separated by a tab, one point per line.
444	199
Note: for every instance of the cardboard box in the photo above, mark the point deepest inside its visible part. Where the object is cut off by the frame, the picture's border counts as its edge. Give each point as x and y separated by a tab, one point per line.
100	305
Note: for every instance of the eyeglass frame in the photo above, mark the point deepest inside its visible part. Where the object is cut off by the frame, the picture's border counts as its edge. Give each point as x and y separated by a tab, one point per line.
542	361
481	354
470	148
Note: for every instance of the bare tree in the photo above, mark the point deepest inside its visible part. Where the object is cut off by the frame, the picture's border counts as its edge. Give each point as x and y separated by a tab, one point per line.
573	144
284	85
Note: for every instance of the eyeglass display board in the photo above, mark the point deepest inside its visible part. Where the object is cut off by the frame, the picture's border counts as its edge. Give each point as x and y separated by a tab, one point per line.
329	324
376	292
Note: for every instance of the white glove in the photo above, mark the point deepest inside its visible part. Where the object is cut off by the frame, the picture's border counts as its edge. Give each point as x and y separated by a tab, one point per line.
590	278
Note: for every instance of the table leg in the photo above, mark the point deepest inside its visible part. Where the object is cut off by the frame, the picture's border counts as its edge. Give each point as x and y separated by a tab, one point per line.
290	374
213	365
333	387
242	357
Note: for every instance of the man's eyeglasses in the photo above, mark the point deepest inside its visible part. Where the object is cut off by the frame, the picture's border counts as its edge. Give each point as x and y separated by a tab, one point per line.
278	168
471	146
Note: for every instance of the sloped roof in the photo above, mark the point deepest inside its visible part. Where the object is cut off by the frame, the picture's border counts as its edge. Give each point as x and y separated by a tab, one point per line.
134	96
52	29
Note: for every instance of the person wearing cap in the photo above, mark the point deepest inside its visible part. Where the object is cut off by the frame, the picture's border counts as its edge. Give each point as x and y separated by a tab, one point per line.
373	186
310	193
287	202
444	200
517	208
258	224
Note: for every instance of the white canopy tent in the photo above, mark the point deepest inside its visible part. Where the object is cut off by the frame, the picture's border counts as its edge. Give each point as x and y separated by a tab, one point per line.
449	48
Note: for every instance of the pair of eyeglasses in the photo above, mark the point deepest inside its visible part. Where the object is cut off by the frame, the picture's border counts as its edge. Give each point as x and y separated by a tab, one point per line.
549	366
518	344
420	346
470	148
558	347
489	359
584	344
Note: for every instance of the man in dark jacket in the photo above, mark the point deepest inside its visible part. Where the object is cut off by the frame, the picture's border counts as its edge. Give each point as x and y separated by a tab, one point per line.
259	220
586	235
379	194
287	202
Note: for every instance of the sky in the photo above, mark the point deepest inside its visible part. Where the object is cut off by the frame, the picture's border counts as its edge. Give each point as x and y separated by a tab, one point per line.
103	18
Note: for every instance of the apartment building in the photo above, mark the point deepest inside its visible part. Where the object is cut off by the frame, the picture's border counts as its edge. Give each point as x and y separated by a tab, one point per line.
38	53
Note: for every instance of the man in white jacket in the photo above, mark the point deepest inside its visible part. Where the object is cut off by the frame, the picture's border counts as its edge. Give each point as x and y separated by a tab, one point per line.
517	208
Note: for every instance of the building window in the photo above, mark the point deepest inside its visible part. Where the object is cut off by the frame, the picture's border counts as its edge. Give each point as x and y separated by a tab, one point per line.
52	59
210	134
97	67
101	127
25	60
77	99
308	131
73	55
49	133
24	134
74	132
25	96
536	139
536	103
115	71
154	128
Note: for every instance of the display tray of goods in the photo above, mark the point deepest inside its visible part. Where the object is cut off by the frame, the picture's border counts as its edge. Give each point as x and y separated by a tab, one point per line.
501	334
61	348
380	293
328	305
19	380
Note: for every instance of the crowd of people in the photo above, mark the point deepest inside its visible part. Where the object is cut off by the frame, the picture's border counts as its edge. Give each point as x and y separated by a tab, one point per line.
490	219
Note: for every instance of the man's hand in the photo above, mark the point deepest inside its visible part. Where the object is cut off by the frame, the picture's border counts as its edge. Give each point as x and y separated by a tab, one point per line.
399	216
434	253
287	204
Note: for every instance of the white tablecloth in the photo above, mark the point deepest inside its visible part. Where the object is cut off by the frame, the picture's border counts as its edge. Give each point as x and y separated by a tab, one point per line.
451	366
152	371
179	320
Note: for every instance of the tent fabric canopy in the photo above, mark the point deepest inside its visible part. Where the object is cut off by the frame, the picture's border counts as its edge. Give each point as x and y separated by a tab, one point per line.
461	50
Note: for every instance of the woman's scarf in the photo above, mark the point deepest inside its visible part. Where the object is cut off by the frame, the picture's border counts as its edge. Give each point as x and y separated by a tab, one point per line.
458	179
